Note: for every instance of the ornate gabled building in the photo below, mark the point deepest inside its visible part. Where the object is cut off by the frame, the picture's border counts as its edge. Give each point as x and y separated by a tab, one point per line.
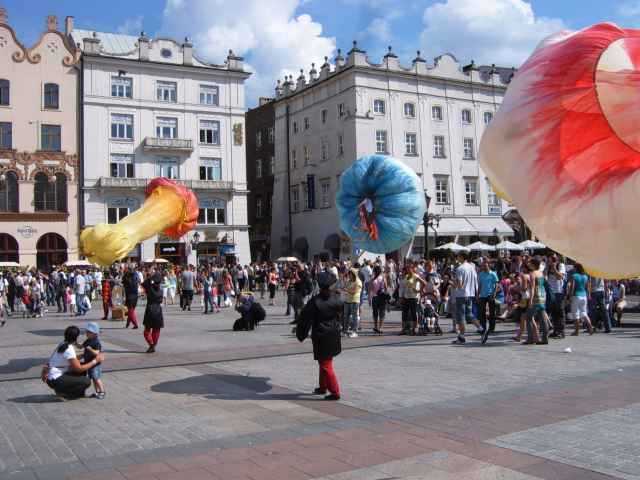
151	108
430	116
39	167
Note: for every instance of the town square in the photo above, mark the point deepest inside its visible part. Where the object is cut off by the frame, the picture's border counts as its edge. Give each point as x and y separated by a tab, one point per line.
319	240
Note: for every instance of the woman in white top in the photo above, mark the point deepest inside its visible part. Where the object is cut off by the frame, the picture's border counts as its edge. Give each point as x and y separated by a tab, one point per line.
63	372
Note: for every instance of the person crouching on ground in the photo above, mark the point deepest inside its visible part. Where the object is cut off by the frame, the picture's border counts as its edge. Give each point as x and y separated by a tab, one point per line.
153	318
92	348
321	316
63	372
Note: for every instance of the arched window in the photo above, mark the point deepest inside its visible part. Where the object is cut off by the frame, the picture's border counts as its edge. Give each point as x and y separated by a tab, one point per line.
50	193
8	248
51	250
9	192
51	95
5	92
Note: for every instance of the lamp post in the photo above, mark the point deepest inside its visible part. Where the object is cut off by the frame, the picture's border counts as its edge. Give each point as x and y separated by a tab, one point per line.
429	220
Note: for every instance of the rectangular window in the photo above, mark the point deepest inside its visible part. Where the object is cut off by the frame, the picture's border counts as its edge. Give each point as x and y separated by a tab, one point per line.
210	132
325	193
115	214
295	127
306	123
466	116
340	110
211	169
469	153
259	139
168	168
166	91
438	146
409	110
488	116
323	115
272	165
436	113
471	192
211	216
340	145
271	135
410	144
267	210
492	198
442	190
121	166
122	87
324	154
259	168
258	207
122	126
5	135
166	127
50	138
307	154
294	159
208	95
295	199
381	141
51	96
378	106
305	196
5	92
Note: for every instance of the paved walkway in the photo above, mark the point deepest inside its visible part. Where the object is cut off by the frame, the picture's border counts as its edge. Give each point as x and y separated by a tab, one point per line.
218	404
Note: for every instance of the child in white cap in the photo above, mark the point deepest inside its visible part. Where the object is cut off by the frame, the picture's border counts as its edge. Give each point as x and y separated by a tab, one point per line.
92	348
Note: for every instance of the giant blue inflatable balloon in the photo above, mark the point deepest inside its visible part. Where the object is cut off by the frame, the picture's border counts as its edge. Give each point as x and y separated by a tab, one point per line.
380	203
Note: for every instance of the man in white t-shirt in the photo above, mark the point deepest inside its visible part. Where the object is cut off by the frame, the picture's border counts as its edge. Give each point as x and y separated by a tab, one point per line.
466	283
80	289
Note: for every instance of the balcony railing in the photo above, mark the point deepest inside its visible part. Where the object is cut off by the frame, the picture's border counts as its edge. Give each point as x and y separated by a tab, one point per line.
495	210
168	144
118	182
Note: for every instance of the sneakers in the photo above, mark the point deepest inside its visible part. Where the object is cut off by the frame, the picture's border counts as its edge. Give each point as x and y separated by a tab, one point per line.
353	335
100	395
151	349
319	391
485	336
459	341
332	397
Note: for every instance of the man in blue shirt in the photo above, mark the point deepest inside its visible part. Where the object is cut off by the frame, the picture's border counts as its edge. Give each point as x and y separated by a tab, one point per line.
489	284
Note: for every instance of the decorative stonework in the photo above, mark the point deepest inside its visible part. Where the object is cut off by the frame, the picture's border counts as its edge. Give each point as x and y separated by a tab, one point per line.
27	164
71	57
237	134
3	41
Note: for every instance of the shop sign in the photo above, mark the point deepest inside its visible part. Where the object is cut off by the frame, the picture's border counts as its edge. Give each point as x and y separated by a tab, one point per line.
27	231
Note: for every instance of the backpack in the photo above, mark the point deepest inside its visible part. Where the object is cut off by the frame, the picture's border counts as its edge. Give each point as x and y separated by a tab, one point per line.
258	312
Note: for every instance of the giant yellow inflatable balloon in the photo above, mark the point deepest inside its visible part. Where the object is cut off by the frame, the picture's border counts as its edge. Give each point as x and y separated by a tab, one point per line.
565	147
169	207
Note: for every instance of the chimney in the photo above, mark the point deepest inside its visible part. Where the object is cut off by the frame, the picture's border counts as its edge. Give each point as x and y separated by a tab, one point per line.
143	47
356	56
92	44
68	25
234	62
187	52
3	15
52	22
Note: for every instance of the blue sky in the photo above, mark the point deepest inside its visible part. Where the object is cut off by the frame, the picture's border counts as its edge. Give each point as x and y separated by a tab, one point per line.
279	37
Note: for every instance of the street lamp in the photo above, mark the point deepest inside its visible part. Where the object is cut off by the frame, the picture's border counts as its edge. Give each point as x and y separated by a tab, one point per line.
429	220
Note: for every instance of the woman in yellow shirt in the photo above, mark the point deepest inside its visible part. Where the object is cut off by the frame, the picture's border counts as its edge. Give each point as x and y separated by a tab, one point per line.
352	290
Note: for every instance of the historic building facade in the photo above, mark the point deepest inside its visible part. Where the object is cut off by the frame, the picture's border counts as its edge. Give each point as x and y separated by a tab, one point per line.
430	116
260	123
151	108
39	167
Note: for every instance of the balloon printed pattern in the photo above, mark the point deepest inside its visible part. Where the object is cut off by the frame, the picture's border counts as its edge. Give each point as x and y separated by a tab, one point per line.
565	146
380	202
169	208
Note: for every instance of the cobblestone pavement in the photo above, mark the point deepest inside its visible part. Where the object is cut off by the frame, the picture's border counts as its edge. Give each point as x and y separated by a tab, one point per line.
218	404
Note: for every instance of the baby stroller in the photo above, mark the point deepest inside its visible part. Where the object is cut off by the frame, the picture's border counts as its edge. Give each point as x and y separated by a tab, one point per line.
428	318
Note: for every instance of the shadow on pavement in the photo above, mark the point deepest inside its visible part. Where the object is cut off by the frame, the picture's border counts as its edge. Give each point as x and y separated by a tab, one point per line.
36	399
225	387
21	365
58	332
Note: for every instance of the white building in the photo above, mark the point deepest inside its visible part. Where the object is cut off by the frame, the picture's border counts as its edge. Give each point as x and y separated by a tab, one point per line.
151	108
430	116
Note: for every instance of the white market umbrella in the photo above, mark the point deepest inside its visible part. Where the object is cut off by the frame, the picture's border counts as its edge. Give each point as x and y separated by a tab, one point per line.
453	247
481	247
78	263
9	264
287	259
507	245
531	245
